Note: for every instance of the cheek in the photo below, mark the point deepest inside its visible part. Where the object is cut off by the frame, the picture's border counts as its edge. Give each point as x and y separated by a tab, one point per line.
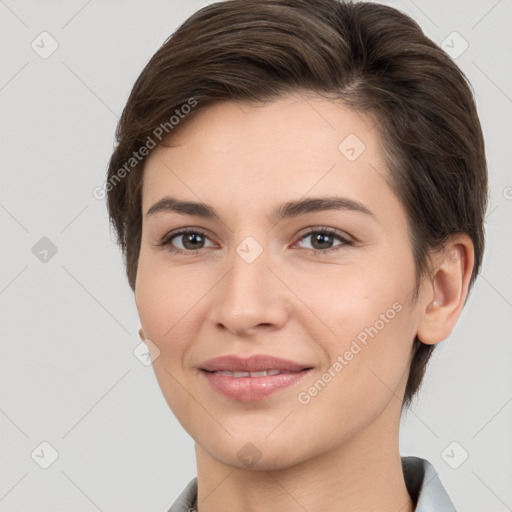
369	361
169	301
164	297
162	305
365	327
152	301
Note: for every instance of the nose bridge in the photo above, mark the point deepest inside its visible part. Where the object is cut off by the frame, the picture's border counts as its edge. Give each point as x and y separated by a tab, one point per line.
250	295
247	284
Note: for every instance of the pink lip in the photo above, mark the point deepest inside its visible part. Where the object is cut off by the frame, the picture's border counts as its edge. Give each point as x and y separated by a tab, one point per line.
252	388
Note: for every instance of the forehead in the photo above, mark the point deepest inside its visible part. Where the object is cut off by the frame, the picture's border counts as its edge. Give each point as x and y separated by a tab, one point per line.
294	145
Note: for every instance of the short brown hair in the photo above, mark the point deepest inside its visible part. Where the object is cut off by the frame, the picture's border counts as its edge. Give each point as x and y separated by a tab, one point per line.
372	58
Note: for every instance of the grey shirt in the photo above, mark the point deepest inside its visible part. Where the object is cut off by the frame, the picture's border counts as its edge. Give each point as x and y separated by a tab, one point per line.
421	479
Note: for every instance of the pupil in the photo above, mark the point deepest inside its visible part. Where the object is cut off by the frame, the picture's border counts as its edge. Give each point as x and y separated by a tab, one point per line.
323	239
191	238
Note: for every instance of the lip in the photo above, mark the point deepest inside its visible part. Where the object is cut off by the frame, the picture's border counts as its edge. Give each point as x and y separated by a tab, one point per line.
252	388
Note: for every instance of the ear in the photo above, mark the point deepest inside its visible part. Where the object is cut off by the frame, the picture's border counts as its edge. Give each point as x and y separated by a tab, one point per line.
446	290
141	334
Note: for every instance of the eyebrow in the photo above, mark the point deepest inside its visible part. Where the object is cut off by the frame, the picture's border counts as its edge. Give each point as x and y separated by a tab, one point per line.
286	210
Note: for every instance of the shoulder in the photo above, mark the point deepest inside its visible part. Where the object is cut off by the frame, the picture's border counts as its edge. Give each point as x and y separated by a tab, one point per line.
186	501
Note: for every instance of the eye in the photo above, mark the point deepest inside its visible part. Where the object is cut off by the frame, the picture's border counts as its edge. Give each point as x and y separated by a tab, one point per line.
191	241
323	240
186	241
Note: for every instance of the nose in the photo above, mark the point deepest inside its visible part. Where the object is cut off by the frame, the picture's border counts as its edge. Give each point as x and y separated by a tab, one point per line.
250	298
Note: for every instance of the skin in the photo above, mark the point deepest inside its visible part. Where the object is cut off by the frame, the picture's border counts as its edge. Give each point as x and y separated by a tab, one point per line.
340	450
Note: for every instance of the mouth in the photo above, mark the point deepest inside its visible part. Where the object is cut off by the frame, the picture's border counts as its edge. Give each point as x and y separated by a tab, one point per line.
259	365
254	378
263	373
250	388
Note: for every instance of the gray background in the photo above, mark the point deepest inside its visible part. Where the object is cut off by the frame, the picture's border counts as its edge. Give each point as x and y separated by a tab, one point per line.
68	375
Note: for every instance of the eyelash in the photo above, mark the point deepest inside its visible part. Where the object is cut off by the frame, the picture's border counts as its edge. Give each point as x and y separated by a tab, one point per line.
166	240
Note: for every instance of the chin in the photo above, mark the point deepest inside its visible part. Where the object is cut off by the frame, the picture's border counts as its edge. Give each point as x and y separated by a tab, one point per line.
256	452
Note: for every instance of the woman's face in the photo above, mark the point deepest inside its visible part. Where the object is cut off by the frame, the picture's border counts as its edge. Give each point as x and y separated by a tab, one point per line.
249	281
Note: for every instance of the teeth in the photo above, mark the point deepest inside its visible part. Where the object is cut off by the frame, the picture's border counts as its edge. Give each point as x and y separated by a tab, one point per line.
259	374
263	373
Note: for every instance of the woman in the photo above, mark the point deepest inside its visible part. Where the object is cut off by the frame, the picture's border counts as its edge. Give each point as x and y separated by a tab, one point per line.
299	190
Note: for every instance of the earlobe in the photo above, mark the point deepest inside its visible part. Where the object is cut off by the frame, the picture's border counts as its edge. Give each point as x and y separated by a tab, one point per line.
447	289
